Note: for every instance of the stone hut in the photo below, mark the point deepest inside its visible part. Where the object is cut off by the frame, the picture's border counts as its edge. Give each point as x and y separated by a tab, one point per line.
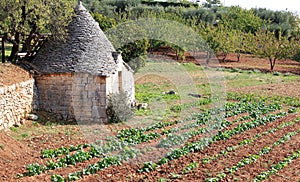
76	75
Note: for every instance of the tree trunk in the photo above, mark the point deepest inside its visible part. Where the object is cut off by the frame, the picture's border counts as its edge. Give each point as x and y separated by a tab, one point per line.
27	44
224	57
272	63
15	48
3	48
16	42
207	57
239	57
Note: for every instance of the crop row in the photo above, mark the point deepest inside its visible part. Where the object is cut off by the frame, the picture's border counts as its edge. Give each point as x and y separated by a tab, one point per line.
255	109
251	158
204	142
129	137
107	161
79	156
177	139
51	153
276	167
247	141
290	101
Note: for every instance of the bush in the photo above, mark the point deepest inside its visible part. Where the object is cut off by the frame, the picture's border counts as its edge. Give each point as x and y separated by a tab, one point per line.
296	57
104	22
118	107
130	39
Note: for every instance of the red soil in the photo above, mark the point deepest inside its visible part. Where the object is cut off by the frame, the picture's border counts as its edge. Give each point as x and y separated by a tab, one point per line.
15	155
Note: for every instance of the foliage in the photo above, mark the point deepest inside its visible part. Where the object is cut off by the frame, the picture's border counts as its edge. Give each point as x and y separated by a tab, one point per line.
22	22
241	19
135	136
169	3
190	167
234	31
251	158
273	48
34	169
131	40
204	142
57	178
148	166
212	3
224	37
104	22
50	153
247	141
283	21
118	108
243	43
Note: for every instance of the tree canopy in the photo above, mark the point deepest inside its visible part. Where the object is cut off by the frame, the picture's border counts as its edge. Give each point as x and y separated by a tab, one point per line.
23	20
225	29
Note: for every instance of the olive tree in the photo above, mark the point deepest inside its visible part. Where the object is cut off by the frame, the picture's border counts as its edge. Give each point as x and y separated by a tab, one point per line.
23	21
241	19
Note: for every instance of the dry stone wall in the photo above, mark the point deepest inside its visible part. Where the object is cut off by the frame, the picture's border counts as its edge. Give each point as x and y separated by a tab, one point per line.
79	96
15	101
89	98
55	94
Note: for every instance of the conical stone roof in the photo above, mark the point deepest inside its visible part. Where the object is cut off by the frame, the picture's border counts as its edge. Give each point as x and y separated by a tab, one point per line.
85	50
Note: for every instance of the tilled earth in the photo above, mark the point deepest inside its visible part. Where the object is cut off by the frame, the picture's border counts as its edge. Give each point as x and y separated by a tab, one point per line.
16	154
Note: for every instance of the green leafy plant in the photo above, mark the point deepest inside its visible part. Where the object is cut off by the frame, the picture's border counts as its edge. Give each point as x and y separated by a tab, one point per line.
57	178
190	167
276	167
148	166
34	169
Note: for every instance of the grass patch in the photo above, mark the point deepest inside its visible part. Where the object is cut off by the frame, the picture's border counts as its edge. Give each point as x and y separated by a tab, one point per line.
7	48
35	129
14	129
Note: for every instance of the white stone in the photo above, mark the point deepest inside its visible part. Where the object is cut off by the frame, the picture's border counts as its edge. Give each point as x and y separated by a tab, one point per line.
32	117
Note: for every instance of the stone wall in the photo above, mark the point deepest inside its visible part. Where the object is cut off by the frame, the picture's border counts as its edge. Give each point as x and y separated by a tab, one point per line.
89	98
15	101
79	96
55	94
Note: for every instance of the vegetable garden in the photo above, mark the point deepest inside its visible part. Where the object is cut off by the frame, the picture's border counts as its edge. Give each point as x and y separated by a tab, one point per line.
252	137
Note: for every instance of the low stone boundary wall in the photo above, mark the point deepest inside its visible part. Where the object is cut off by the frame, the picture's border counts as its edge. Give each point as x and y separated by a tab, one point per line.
15	101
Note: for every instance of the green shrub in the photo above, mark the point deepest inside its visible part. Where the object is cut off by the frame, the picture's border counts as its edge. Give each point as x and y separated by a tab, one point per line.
118	107
296	57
